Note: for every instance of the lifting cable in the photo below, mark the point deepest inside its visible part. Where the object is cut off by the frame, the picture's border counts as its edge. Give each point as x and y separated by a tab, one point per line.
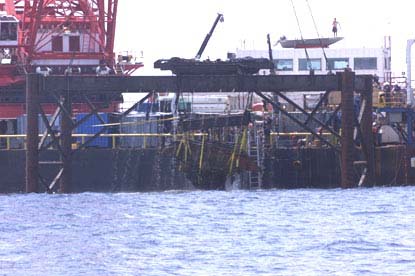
233	155
243	145
186	146
318	35
202	149
301	33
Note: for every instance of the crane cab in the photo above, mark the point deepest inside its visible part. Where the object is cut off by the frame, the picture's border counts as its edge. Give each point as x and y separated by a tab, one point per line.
8	30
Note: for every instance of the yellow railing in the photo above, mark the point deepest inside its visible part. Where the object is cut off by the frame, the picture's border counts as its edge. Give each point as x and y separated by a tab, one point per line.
307	135
113	136
145	136
391	100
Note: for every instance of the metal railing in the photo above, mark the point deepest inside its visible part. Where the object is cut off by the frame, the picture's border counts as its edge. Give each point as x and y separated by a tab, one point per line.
289	139
6	139
296	139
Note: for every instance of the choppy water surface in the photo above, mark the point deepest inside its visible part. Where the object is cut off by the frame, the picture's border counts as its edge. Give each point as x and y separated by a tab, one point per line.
278	232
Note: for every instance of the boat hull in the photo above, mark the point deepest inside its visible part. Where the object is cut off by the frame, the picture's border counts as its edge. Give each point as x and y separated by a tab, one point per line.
310	43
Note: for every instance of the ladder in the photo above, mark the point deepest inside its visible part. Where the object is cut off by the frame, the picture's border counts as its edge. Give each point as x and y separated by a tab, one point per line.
256	153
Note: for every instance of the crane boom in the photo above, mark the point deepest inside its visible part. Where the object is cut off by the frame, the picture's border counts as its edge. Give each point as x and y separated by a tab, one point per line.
206	40
55	35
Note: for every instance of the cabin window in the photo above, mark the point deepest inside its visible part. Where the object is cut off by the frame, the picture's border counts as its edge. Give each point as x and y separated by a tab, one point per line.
74	43
366	63
8	31
304	64
57	43
337	63
283	64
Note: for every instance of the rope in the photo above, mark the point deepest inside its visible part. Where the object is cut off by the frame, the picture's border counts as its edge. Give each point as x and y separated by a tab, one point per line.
232	158
318	35
201	153
186	147
242	145
137	122
301	33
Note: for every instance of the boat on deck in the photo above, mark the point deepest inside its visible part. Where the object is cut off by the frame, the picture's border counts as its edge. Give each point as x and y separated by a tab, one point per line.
323	42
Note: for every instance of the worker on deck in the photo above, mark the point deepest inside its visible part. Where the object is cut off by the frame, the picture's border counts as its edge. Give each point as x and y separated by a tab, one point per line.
335	25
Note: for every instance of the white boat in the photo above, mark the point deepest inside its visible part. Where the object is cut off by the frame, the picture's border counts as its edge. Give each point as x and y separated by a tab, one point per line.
324	42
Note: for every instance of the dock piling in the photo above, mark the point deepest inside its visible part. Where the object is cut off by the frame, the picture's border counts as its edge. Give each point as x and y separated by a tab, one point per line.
347	125
66	140
32	153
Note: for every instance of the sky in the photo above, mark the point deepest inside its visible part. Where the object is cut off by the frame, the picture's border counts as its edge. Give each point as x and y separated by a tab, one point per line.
157	29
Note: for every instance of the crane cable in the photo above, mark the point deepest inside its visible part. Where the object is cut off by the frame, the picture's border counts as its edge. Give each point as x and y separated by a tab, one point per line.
318	35
301	33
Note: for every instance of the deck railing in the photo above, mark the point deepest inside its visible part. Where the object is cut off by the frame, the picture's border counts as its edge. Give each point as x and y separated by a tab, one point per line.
290	139
6	140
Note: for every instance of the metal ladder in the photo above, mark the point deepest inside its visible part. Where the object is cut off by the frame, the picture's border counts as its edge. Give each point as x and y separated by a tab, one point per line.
255	151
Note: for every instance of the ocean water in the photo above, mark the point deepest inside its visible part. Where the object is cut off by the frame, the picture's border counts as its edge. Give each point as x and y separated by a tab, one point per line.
269	232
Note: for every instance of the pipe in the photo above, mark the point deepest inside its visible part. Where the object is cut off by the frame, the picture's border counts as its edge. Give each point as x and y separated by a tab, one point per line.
409	92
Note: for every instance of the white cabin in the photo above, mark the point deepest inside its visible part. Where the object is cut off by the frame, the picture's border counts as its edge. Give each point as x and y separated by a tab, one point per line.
363	61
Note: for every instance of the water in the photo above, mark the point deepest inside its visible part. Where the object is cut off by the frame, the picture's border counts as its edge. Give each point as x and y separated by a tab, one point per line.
276	232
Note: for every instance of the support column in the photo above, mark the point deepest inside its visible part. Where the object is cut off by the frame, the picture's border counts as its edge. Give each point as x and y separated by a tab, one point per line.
347	129
367	134
32	153
66	140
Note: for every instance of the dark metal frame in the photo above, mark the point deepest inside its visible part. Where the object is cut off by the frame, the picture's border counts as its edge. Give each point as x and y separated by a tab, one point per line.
66	87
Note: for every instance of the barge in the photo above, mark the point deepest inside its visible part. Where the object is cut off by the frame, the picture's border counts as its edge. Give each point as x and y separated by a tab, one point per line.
55	65
150	169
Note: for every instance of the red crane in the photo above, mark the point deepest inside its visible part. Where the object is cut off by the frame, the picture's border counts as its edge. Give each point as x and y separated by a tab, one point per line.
59	36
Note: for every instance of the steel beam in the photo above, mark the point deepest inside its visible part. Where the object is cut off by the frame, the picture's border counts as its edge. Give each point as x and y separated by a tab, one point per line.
100	85
315	109
49	128
71	87
368	145
49	131
278	107
309	116
66	145
209	83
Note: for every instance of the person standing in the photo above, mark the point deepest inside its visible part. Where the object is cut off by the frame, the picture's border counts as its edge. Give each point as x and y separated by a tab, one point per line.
336	24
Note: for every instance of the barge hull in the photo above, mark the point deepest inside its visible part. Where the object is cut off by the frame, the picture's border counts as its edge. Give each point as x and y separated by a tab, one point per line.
141	170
